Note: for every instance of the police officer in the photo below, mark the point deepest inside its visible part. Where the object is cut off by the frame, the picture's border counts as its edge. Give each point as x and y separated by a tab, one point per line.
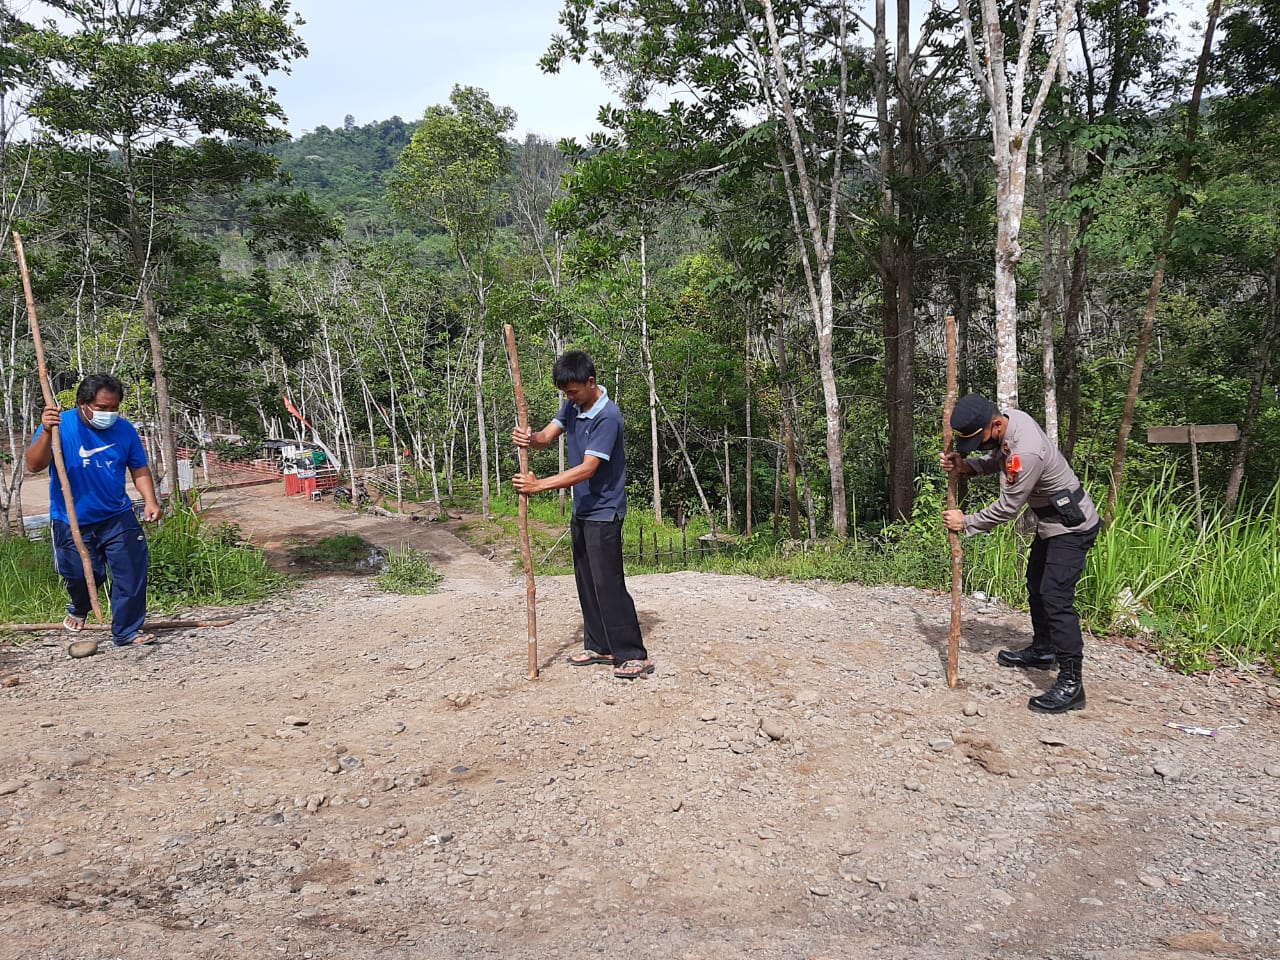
1035	474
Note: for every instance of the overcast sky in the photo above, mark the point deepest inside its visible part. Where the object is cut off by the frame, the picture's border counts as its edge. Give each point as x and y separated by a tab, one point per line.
377	59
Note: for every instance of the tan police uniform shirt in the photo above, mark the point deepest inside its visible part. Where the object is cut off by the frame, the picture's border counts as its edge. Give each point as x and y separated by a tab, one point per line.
1031	469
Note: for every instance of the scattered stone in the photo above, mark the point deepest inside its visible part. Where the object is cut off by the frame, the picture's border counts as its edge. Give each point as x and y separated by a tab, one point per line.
296	721
772	729
708	716
54	848
1272	770
820	891
971	709
1189	708
851	872
1147	880
676	805
10	786
397	727
82	648
941	745
1167	770
1053	740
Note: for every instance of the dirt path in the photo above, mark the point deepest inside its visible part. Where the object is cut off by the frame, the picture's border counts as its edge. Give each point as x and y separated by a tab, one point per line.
346	774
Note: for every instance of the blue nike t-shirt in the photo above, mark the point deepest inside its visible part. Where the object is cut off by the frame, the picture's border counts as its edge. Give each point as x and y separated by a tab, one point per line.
96	462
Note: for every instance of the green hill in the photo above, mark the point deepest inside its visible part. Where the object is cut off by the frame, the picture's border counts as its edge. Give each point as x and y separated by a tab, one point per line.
346	169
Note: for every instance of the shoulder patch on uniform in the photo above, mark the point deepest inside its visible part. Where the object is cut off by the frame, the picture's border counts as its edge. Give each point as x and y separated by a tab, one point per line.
1012	467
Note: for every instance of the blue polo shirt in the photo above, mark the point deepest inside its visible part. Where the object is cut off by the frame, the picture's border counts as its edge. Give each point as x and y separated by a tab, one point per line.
598	432
96	461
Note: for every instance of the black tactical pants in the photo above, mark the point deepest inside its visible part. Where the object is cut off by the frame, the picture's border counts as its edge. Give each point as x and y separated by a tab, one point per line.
1053	570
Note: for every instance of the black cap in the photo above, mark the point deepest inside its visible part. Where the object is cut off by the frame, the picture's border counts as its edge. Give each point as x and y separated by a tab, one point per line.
969	418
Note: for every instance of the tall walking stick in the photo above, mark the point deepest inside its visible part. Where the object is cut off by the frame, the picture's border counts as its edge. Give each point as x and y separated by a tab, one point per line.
55	434
957	553
526	551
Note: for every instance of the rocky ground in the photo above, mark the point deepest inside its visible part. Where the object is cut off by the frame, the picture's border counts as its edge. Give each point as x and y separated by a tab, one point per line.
348	774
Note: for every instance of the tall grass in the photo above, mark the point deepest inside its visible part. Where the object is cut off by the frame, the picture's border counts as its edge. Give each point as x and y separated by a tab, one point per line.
1210	596
192	564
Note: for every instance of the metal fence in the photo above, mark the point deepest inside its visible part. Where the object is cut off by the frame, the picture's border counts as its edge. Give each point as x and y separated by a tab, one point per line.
661	547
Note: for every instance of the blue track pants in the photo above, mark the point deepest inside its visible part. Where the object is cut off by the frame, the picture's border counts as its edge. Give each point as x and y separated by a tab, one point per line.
118	545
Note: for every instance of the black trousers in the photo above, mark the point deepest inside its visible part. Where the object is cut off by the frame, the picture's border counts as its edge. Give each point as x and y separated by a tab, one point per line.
609	622
1053	570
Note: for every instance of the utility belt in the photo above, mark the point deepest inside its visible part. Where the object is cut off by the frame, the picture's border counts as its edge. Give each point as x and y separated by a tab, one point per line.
1063	507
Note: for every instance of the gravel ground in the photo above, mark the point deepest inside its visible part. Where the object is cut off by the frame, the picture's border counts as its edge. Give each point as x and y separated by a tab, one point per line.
347	774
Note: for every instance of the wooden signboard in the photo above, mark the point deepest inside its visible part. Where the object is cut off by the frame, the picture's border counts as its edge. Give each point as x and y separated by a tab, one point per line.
1204	433
1195	433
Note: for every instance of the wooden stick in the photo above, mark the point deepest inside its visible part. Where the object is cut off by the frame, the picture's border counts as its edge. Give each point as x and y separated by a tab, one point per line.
526	551
150	625
55	435
957	552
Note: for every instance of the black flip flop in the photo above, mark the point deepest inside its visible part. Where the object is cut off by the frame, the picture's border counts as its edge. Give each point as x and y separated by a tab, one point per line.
589	658
632	674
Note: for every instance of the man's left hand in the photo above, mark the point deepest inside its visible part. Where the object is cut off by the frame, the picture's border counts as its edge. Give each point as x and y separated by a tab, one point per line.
953	520
151	512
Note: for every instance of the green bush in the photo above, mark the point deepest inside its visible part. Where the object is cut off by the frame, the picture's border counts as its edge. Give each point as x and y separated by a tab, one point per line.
191	565
409	571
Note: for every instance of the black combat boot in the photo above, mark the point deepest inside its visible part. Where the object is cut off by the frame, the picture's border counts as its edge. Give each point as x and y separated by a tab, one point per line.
1033	657
1067	692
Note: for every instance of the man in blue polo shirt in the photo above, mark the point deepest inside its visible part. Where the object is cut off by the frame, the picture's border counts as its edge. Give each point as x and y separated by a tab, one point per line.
593	429
97	447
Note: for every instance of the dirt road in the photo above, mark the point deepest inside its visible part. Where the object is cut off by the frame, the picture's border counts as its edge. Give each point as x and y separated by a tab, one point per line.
347	774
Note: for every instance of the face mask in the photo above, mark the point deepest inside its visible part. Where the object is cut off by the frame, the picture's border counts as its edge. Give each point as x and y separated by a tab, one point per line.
989	444
102	419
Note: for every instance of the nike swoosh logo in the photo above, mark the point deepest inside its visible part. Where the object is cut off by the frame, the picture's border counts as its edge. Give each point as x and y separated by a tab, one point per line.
89	453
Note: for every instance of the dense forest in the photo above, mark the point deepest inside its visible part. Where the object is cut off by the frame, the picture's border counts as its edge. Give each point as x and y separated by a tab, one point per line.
761	265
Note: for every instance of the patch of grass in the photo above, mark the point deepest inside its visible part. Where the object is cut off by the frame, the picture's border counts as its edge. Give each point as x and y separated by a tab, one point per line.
194	565
409	571
191	565
343	551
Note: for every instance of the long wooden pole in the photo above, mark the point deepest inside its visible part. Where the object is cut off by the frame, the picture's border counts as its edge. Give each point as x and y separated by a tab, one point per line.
526	551
957	552
149	625
55	435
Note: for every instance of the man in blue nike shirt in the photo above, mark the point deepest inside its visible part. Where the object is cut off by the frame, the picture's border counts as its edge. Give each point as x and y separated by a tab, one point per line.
98	445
